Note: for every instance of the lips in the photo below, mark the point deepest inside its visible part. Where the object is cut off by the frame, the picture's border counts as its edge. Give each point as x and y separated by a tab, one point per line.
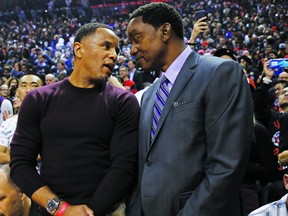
110	66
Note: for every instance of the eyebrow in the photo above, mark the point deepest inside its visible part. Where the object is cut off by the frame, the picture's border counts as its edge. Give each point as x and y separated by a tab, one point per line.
133	32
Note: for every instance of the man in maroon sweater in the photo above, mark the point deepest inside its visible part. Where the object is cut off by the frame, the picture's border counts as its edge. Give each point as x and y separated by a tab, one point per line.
85	131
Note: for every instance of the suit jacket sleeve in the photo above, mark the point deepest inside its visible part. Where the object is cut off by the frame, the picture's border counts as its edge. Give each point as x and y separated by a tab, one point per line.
229	129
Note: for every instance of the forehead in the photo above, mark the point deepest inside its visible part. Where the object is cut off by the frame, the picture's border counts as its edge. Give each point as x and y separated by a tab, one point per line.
136	26
102	34
30	79
283	74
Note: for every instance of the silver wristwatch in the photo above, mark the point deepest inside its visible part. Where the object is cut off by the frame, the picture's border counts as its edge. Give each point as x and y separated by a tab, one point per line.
52	205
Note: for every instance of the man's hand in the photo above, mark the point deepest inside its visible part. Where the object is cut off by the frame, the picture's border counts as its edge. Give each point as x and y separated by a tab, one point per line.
6	114
78	210
199	27
268	71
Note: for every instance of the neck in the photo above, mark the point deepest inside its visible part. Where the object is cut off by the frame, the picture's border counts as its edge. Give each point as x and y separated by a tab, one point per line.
175	48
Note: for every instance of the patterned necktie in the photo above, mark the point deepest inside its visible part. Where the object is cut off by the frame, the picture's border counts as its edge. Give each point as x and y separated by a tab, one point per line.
160	100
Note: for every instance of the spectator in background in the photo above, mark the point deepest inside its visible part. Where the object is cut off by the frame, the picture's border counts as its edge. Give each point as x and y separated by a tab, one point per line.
13	201
283	76
282	53
246	64
60	68
6	108
41	68
127	83
276	208
134	74
49	78
8	127
120	62
7	73
12	86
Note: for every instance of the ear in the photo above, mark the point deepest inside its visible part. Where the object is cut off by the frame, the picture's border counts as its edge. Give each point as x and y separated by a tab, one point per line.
19	193
166	31
78	49
285	180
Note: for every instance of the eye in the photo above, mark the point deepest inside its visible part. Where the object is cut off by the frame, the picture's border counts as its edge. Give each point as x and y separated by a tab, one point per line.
137	38
107	45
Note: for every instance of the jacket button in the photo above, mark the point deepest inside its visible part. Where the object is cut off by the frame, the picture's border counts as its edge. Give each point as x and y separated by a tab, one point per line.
148	162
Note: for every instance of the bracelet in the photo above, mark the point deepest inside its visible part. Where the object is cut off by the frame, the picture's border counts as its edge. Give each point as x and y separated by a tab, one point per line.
62	209
191	44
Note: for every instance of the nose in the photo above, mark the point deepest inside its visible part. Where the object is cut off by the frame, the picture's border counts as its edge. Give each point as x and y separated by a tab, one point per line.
28	89
133	50
114	55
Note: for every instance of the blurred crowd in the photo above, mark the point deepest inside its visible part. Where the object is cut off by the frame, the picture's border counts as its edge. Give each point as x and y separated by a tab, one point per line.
36	38
257	29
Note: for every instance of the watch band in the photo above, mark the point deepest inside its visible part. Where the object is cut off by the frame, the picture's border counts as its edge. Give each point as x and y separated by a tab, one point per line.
61	210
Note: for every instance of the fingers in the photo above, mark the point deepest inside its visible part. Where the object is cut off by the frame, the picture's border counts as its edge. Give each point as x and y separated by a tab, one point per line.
88	211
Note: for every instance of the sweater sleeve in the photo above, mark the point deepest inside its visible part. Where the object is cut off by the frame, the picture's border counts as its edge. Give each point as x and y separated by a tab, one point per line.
25	146
123	155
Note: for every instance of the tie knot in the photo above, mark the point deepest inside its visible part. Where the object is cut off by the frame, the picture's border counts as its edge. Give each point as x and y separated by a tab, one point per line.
165	80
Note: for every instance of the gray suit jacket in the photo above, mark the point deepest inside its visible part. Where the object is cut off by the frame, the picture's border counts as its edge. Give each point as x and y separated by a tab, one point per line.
197	159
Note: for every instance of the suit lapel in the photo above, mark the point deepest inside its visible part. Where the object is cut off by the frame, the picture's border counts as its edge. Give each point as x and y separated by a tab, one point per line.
185	74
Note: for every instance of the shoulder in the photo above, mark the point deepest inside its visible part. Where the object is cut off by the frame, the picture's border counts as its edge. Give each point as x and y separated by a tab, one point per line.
120	101
45	90
114	93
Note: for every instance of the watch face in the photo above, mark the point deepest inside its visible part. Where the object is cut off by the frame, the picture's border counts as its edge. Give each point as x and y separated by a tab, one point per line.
52	205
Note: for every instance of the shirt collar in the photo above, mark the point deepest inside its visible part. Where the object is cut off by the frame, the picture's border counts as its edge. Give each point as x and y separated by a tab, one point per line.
174	69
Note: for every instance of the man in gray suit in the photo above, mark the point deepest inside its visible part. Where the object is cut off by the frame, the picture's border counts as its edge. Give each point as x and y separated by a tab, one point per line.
195	124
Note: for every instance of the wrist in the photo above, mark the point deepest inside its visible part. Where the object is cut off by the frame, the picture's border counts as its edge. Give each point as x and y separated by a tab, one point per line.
267	80
62	208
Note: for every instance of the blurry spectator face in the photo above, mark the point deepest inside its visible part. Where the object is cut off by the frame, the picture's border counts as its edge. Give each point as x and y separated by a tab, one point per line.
49	79
278	88
123	72
60	66
16	101
243	63
13	83
4	90
24	68
41	58
272	55
131	65
10	197
222	41
283	98
283	76
7	74
17	66
28	83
